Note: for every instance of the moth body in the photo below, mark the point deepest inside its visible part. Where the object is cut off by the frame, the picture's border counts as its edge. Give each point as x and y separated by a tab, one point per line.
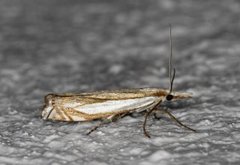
103	104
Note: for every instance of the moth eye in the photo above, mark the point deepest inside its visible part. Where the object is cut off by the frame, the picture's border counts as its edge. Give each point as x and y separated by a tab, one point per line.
169	97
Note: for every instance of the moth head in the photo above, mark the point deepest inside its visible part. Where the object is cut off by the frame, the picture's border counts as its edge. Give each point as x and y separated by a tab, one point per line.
177	96
172	96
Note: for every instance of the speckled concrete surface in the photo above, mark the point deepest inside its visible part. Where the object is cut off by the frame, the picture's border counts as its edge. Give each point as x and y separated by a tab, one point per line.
75	46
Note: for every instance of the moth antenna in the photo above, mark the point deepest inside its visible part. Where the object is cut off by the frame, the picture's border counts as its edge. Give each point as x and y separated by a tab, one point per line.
171	82
171	78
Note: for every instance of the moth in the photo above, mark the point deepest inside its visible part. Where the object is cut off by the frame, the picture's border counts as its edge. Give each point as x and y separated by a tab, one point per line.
111	105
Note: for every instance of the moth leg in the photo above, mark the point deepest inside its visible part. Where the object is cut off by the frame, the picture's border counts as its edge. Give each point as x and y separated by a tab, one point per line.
112	118
96	127
156	116
145	122
147	114
177	121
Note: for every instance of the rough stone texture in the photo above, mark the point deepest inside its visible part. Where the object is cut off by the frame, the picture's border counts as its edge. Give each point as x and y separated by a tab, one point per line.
74	46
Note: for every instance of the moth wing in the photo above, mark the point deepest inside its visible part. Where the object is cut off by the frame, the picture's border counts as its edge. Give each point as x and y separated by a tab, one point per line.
124	93
88	106
115	106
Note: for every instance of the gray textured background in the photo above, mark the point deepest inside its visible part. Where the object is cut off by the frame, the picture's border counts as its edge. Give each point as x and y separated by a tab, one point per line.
74	46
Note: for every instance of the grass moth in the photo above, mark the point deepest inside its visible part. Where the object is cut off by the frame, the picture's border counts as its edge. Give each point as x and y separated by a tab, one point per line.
113	104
